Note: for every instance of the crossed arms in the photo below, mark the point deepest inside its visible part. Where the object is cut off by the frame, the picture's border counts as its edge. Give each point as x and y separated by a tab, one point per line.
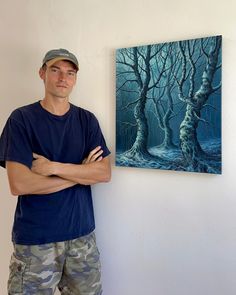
47	176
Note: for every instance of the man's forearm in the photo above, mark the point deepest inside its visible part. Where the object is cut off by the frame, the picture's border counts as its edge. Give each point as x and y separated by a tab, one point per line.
23	181
86	174
93	169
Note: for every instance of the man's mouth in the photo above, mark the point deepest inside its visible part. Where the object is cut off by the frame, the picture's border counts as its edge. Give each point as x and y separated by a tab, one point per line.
62	86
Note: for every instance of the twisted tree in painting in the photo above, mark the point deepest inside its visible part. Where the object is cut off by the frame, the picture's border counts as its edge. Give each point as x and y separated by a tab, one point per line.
169	106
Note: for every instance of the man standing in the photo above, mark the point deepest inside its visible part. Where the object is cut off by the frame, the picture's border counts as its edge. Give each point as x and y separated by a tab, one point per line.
53	151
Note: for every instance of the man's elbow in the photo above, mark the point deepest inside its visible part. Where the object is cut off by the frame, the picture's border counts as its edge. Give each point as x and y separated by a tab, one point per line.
107	176
16	177
102	177
15	188
14	191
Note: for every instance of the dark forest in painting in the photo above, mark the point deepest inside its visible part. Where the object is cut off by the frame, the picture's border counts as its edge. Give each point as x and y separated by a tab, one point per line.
168	106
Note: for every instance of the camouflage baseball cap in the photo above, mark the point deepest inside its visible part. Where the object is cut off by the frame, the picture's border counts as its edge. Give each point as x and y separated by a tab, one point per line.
55	55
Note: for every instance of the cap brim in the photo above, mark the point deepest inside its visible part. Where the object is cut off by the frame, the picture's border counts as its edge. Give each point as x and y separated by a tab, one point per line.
54	60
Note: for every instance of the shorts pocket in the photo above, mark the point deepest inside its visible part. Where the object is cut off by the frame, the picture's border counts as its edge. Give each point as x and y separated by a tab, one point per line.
17	270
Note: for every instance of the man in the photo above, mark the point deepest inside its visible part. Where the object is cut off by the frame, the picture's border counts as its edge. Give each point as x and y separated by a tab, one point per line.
53	151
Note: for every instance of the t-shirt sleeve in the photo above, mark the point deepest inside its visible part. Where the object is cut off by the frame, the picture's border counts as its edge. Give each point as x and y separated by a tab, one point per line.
96	137
15	144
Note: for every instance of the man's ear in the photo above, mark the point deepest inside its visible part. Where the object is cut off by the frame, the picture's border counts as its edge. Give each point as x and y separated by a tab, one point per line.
76	77
42	73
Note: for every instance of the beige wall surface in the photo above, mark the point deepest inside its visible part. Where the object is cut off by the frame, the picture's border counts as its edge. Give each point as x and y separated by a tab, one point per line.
159	232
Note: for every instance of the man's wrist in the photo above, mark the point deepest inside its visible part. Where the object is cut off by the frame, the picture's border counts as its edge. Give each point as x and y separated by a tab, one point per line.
55	168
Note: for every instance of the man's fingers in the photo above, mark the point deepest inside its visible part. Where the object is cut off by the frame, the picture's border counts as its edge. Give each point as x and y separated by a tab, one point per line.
94	155
99	159
94	151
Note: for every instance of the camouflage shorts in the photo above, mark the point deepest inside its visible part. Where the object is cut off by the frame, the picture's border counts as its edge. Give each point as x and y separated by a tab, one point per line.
72	266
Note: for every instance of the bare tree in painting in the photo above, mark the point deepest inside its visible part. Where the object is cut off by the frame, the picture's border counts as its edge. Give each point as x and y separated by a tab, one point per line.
193	154
162	97
136	64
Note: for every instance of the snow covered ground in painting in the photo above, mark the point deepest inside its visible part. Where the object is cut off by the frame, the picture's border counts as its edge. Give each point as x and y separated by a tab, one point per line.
171	159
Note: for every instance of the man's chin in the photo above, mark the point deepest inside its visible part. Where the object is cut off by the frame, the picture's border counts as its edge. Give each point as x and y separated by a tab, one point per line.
61	95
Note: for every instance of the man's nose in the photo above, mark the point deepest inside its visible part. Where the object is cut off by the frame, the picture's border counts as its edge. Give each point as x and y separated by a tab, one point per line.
62	76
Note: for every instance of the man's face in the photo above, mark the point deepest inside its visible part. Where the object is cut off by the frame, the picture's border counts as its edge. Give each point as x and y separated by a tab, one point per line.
59	79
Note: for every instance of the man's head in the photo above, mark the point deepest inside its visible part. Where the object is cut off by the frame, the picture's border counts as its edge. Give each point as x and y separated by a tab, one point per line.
55	55
59	73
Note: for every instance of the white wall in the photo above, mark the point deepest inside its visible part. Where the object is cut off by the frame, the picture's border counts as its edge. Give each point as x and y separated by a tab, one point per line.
159	232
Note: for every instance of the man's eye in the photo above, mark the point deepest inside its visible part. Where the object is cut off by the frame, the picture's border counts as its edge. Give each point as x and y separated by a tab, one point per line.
54	70
72	74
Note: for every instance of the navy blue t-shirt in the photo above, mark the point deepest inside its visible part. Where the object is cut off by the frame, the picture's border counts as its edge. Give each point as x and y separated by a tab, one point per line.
67	214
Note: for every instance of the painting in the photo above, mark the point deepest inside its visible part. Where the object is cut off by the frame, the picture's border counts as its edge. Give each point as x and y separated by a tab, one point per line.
168	106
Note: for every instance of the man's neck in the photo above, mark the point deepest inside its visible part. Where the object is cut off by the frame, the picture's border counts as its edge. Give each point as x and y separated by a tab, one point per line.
57	107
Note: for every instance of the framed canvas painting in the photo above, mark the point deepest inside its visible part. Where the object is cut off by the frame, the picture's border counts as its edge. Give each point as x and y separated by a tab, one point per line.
168	106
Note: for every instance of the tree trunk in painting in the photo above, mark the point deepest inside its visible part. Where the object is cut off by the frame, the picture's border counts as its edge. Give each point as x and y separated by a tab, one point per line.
191	149
190	146
139	149
168	138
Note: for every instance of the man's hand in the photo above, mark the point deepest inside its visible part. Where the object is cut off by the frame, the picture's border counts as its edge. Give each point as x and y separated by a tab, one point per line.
42	165
94	156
